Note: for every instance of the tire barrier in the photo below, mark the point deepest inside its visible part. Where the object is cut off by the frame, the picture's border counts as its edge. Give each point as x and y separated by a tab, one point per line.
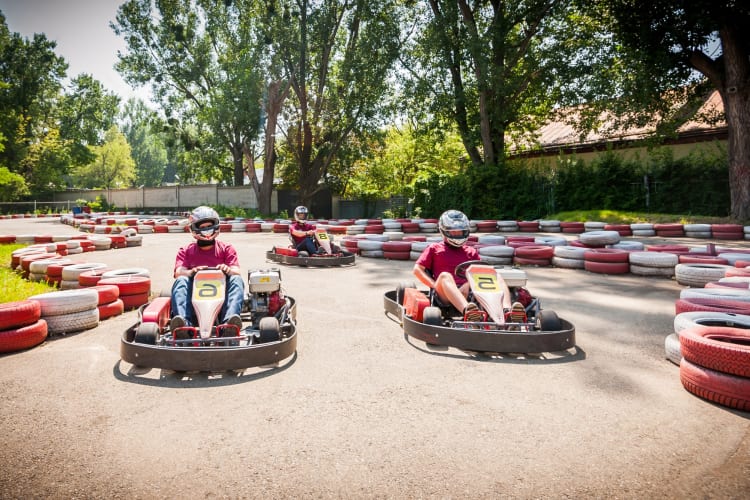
720	388
650	263
672	348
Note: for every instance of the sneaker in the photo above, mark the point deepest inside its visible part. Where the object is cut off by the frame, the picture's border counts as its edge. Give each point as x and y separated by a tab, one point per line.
472	314
235	320
177	322
517	313
321	251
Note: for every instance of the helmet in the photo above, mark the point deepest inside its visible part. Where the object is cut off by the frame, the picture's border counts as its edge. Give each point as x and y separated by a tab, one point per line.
300	213
199	217
454	226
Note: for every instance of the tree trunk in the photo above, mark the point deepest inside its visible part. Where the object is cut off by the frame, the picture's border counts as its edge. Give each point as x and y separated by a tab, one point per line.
736	95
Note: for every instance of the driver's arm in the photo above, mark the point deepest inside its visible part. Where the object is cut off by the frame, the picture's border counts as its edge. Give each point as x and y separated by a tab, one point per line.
423	275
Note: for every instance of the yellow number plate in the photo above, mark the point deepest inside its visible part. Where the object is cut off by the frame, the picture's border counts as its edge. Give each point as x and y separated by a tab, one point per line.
208	290
486	282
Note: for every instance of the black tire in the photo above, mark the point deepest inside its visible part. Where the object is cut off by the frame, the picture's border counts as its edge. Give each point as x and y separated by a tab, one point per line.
432	316
269	329
549	322
146	333
400	290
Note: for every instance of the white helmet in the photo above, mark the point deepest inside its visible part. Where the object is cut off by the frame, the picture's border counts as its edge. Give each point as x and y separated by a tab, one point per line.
200	216
455	227
300	213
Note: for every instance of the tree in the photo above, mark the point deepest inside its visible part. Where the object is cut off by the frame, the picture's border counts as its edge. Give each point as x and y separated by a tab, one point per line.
665	43
30	83
202	60
112	167
144	132
337	56
491	68
85	114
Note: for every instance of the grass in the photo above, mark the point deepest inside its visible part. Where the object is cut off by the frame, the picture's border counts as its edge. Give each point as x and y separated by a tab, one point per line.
12	286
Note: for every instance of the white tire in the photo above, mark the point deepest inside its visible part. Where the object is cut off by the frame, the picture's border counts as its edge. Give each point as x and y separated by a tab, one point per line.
663	272
72	322
66	301
419	246
731	257
130	271
498	261
71	272
593	226
375	254
644	232
551	241
599	237
654	259
394	235
697	275
69	285
672	349
569	252
491	239
567	263
710	318
369	245
496	251
630	246
716	293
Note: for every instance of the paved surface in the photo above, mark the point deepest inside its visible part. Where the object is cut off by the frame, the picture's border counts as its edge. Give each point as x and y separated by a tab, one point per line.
363	412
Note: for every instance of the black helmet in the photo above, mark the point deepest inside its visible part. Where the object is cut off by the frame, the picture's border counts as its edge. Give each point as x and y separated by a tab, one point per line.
300	213
455	228
200	216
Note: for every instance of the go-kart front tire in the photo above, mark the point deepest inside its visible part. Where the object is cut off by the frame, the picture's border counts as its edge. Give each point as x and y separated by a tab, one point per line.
432	316
549	321
146	333
269	330
401	291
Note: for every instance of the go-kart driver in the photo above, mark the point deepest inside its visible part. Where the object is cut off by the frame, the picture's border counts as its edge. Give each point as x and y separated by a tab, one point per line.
436	266
206	251
303	233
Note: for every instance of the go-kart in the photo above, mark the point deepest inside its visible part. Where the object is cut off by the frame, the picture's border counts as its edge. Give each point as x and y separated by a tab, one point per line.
329	254
425	318
268	333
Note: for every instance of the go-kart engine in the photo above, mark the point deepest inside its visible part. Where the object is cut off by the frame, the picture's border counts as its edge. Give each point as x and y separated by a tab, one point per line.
265	291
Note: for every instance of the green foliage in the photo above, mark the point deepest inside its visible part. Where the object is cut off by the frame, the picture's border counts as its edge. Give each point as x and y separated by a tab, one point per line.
12	185
112	166
12	286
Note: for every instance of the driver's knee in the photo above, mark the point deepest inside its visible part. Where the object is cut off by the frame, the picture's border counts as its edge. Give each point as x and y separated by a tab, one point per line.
445	280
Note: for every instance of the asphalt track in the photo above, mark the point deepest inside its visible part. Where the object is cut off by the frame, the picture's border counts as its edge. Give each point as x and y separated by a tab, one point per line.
362	412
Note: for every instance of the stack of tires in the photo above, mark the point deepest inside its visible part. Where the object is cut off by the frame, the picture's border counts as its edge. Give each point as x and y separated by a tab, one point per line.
606	260
21	325
715	364
109	303
134	285
69	311
653	263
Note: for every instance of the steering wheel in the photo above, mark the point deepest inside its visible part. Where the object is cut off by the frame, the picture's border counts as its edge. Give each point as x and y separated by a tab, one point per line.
460	270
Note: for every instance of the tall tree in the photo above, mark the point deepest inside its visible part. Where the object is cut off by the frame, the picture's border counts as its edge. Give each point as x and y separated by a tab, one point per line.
491	67
337	56
664	44
113	166
202	60
144	131
86	112
30	83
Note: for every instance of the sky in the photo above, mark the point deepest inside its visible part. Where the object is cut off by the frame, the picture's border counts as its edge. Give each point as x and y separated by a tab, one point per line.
81	30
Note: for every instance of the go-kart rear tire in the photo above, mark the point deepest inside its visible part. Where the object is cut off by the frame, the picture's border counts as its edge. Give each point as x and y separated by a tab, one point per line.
146	333
432	316
549	321
400	291
269	330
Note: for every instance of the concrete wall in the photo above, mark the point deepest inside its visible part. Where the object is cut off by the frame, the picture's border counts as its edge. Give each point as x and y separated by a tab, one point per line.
175	198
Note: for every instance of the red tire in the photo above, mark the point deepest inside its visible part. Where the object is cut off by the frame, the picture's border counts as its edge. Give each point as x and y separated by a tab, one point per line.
54	271
719	348
534	252
622	229
528	226
8	238
134	301
26	261
676	249
711	305
19	313
606	267
111	309
572	227
720	388
606	255
742	272
397	246
280	228
396	255
24	337
129	284
690	258
92	277
107	293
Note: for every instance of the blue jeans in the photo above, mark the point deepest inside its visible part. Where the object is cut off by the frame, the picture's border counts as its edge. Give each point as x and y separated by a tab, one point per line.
307	245
182	292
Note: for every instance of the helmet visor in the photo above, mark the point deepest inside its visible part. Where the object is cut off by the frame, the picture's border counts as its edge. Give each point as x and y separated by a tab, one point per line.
205	231
456	233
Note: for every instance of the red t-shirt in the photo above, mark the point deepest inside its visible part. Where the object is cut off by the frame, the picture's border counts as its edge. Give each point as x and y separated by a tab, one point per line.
299	226
443	258
191	255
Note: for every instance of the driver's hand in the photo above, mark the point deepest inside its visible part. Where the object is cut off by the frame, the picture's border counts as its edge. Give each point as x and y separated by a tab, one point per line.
223	268
197	268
